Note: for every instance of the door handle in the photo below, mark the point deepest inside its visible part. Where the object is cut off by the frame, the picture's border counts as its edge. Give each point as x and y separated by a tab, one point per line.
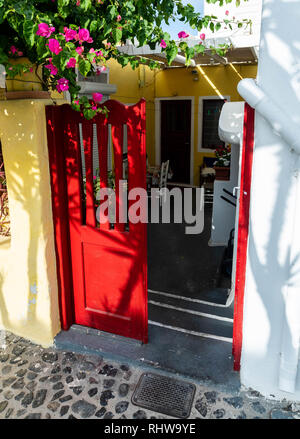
235	189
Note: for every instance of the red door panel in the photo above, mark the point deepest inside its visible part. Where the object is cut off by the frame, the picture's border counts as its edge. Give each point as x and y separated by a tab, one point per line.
108	263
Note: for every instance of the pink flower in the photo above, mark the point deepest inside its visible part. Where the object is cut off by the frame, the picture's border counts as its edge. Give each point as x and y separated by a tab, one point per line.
97	97
99	53
83	35
108	44
78	3
54	46
202	37
76	102
119	18
71	63
183	34
94	107
227	12
90	40
53	69
20	53
163	44
79	50
100	70
92	50
31	69
44	30
62	85
13	50
70	34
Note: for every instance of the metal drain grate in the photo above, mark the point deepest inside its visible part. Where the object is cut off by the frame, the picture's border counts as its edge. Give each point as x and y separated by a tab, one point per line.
165	395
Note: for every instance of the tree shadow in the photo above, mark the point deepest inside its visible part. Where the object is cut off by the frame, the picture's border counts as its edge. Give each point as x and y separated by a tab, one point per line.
270	269
27	254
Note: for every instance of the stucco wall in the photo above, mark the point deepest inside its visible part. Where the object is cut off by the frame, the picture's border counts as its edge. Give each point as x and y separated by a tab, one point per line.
28	280
269	270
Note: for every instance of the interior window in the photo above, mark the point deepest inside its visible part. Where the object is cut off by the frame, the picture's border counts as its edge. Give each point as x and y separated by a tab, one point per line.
211	114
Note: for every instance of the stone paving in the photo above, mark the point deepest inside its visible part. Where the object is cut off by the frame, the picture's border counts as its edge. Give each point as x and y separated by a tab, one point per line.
43	383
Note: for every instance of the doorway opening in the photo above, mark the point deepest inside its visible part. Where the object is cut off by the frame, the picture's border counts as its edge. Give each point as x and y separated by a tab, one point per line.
190	311
190	301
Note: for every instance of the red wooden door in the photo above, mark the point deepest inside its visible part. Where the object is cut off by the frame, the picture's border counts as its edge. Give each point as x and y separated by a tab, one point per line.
108	265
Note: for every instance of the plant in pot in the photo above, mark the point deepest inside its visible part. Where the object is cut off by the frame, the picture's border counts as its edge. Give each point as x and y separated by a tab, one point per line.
222	164
56	37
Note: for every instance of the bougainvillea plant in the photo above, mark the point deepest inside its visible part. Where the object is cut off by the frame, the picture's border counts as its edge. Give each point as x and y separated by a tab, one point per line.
65	35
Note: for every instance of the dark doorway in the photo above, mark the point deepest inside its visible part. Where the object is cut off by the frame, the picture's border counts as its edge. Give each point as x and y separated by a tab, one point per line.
176	137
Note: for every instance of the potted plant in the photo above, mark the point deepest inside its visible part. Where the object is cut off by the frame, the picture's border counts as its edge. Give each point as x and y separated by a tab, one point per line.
222	164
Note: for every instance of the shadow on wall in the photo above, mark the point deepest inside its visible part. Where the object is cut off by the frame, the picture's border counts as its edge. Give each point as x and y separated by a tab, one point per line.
27	285
270	270
3	310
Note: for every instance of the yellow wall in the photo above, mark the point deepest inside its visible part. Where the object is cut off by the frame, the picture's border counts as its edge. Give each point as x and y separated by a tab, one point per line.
28	280
213	81
132	85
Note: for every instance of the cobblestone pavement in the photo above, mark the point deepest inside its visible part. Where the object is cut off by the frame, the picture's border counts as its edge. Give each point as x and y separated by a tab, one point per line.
43	383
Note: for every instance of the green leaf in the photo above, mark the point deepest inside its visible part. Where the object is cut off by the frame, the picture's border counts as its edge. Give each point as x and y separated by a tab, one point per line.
88	113
2	10
85	4
117	34
84	66
62	6
29	31
107	29
63	59
218	26
41	48
112	12
171	53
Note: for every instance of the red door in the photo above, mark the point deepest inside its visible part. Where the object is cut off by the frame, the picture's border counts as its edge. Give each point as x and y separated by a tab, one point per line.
108	262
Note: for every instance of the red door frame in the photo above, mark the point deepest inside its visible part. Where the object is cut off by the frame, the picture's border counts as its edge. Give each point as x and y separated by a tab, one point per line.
60	218
243	230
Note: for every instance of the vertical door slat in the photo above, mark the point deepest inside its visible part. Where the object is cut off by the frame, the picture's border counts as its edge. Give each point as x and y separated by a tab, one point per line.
102	138
117	139
87	134
74	176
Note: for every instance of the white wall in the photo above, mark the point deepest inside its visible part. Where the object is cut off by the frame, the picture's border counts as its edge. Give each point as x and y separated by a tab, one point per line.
247	10
272	204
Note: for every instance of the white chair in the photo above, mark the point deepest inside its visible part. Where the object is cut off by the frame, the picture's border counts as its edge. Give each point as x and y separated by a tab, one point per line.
164	171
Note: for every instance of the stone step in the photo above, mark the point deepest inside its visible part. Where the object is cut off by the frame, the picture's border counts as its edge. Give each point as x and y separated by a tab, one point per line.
191	303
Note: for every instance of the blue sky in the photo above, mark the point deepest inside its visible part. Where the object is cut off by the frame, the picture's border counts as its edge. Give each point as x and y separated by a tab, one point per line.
177	26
